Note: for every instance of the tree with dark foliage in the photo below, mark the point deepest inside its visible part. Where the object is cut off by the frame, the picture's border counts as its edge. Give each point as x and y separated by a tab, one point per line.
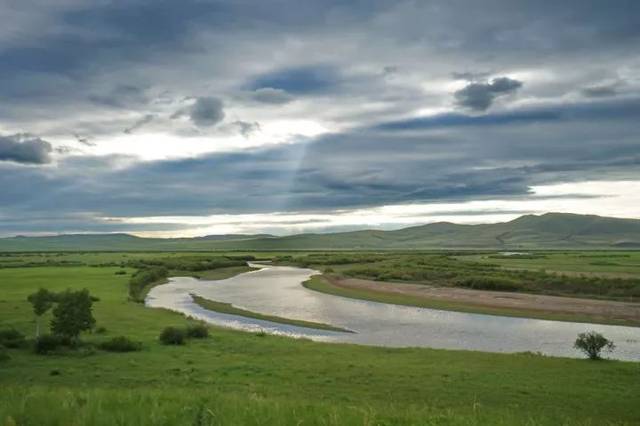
73	314
42	300
592	344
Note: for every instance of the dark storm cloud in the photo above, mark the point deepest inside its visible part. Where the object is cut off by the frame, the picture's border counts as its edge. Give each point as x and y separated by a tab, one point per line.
480	96
207	111
24	148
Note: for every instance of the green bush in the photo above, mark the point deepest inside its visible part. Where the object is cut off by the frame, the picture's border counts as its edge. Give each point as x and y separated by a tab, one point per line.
48	343
592	344
10	338
173	336
120	344
197	331
489	283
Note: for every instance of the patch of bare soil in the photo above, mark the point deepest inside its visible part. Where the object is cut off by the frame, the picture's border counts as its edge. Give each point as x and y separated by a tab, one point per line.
602	309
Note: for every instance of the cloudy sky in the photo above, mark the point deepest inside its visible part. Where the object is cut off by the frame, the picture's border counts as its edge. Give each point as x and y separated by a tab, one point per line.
192	117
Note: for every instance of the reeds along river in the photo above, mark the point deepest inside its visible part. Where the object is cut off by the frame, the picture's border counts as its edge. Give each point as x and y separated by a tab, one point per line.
276	290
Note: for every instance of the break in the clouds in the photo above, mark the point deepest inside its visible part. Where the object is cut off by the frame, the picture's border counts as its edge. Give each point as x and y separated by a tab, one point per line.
113	112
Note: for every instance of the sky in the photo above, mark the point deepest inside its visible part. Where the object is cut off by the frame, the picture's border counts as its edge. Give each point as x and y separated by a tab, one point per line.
195	117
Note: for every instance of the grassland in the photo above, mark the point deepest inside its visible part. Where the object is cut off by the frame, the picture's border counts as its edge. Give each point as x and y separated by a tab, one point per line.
625	264
456	270
228	308
236	378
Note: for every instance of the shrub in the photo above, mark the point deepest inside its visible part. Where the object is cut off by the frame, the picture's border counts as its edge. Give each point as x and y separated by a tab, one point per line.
11	338
120	344
47	343
121	272
100	330
488	283
197	331
592	344
172	336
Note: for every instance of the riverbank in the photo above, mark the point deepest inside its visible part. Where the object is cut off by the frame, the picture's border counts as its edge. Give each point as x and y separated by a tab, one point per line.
481	301
228	308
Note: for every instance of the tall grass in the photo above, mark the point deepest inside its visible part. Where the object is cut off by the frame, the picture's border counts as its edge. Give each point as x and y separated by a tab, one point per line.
106	407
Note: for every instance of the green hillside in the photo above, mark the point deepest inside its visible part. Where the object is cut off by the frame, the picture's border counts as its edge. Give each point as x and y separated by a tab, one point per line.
549	231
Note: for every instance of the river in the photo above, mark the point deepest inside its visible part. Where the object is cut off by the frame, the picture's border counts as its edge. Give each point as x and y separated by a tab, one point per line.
277	290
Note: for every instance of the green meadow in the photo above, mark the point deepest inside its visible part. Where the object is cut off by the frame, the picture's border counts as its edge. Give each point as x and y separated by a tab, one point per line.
594	263
238	378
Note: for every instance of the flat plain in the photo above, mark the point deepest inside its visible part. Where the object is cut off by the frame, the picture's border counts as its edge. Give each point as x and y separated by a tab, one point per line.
244	378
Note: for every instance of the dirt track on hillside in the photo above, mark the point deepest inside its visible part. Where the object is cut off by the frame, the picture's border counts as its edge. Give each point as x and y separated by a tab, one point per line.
598	309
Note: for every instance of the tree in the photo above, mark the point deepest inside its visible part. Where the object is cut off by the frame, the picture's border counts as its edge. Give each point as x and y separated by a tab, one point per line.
73	314
42	300
592	344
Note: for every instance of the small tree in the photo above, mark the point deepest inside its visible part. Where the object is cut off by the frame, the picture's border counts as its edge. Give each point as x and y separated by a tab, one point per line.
592	344
42	300
73	314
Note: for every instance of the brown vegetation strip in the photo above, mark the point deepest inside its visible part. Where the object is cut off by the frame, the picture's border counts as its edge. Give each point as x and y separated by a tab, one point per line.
598	309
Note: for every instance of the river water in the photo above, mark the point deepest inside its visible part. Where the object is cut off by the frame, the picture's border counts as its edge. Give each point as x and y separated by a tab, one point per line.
277	290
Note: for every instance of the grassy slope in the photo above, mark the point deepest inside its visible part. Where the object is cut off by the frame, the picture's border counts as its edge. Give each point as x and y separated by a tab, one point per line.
241	378
323	285
228	308
553	230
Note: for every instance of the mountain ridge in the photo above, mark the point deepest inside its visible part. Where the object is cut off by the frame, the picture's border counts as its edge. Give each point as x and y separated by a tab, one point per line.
549	230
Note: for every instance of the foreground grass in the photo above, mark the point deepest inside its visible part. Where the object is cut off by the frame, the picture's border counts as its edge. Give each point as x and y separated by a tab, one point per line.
323	285
102	406
228	308
236	378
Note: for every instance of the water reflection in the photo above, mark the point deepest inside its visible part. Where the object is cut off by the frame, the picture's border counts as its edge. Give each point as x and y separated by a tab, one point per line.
276	290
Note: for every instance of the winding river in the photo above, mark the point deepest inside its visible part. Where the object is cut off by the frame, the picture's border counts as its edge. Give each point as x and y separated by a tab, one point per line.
277	290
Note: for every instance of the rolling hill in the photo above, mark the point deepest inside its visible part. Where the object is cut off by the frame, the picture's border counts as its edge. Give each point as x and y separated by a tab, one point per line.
549	231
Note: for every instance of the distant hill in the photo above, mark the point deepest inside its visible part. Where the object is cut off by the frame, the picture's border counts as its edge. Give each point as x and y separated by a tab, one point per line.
551	230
